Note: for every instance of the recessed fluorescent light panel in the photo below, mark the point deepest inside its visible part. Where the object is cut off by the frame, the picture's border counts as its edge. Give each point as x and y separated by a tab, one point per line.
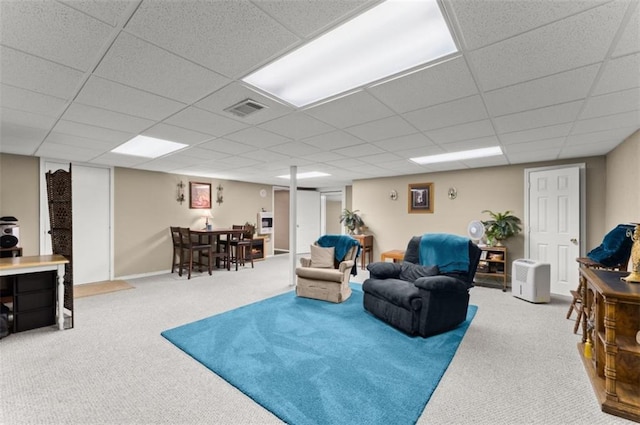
385	40
306	175
458	156
148	147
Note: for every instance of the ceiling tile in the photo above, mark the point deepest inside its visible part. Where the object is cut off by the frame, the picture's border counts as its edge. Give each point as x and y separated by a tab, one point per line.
294	149
351	110
538	145
53	31
81	142
306	18
226	146
118	160
521	58
527	157
203	154
359	151
19	139
448	114
333	140
110	12
546	91
377	158
107	119
630	40
91	132
258	137
263	155
235	93
585	150
542	117
600	136
540	133
176	134
492	161
204	122
323	157
476	143
612	103
468	131
382	129
67	152
29	101
116	97
627	119
242	36
39	75
422	151
134	63
485	22
435	84
25	119
297	126
417	140
619	74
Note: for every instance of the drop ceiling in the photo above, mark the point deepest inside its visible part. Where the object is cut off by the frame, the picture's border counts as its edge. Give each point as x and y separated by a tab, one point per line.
543	79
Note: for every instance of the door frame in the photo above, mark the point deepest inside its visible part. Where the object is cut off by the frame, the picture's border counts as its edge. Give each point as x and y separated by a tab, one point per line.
582	169
44	205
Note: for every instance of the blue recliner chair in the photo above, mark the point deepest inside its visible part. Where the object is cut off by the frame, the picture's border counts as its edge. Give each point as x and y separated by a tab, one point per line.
428	293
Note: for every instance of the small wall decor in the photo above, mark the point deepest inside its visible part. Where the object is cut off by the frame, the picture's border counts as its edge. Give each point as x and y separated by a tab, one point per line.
393	195
453	193
420	198
199	195
219	198
180	193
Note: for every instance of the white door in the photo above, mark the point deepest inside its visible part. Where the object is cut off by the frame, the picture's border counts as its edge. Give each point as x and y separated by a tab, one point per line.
555	223
91	204
308	219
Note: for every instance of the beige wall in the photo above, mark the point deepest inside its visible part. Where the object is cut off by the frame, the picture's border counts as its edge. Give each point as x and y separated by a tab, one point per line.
622	193
496	188
145	206
333	211
20	197
281	219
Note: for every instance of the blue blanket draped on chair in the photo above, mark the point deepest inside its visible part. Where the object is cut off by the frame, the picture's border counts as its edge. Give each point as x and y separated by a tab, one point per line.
341	243
615	248
449	252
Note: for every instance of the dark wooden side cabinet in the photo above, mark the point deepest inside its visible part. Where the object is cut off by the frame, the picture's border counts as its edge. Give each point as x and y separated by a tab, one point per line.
610	324
34	300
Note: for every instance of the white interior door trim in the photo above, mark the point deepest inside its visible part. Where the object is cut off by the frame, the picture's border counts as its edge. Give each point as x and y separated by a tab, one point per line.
44	205
583	211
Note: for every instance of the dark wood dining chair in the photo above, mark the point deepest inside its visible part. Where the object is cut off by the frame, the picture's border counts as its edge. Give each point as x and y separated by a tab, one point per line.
176	259
188	246
240	247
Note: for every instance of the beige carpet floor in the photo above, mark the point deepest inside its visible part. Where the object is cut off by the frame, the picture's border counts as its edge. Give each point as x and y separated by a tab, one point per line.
89	289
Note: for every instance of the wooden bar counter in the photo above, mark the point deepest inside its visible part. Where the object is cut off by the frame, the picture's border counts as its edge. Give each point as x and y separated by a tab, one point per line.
610	324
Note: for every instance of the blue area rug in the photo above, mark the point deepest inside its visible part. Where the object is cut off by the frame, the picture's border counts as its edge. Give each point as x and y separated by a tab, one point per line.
314	362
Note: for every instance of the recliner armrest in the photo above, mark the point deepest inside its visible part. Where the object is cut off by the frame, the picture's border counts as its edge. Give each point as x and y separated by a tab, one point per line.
346	265
305	262
441	284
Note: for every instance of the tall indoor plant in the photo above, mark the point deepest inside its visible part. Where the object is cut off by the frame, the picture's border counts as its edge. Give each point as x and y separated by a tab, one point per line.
351	220
501	226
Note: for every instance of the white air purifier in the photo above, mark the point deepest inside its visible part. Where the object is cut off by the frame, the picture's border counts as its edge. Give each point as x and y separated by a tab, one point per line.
531	280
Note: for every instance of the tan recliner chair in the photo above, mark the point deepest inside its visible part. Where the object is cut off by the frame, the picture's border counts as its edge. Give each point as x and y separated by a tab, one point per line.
326	283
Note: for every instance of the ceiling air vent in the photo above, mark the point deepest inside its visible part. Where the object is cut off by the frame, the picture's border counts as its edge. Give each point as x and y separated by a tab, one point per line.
245	108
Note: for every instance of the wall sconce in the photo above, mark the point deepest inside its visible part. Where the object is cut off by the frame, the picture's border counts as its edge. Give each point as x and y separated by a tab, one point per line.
219	198
180	193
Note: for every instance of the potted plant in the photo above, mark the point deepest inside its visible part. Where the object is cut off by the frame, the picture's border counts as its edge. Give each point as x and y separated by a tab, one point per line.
501	226
351	220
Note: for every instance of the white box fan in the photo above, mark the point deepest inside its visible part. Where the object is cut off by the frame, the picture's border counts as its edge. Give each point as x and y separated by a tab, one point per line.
531	280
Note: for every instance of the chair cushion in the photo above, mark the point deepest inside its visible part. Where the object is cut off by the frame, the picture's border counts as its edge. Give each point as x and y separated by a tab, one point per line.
322	257
411	272
395	291
384	270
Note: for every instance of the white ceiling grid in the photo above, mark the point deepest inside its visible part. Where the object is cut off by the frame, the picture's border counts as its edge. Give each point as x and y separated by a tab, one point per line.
544	79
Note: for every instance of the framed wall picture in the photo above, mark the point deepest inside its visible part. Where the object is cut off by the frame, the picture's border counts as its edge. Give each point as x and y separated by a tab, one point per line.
199	195
420	198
